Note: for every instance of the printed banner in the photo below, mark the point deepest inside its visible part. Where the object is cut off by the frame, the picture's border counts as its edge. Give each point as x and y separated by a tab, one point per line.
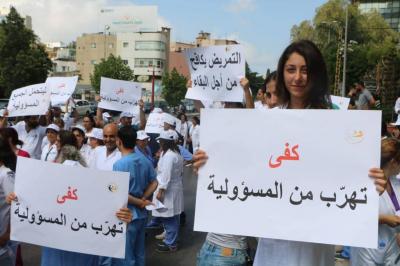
69	207
305	179
61	89
29	100
119	95
216	72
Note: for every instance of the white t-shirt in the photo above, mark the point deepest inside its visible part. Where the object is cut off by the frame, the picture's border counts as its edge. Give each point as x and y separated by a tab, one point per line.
195	135
101	161
49	153
32	139
6	187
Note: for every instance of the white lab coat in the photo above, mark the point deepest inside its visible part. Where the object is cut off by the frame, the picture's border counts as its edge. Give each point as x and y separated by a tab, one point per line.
169	177
387	250
397	110
195	136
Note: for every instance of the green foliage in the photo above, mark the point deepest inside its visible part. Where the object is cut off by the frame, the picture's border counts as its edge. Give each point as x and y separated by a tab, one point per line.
371	35
256	81
174	87
23	60
113	68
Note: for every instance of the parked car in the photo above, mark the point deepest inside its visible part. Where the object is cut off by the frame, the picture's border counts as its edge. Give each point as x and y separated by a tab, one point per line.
82	107
3	103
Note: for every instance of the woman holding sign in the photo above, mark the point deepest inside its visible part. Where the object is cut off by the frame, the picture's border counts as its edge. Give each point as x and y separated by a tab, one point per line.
388	251
302	83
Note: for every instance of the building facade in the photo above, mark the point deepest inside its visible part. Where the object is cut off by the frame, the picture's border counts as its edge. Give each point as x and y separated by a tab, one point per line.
389	9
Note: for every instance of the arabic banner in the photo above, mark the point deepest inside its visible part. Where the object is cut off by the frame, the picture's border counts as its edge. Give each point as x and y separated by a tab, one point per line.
70	208
341	103
29	100
155	122
61	89
119	95
216	72
302	181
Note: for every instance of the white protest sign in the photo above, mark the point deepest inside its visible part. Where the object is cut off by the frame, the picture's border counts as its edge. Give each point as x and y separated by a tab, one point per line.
216	72
61	89
29	100
341	103
69	207
155	122
119	95
302	181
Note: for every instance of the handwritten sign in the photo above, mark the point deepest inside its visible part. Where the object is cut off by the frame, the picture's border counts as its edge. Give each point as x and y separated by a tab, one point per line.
70	208
155	122
300	179
29	100
61	89
216	72
341	103
119	95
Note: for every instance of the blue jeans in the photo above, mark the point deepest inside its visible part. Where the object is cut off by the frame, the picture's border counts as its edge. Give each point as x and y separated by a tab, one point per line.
135	247
171	227
211	254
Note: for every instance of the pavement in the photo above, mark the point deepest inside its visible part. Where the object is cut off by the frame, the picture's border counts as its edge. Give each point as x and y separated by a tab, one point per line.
189	244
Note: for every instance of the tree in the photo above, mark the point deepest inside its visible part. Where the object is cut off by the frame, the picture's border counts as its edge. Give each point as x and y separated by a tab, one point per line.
174	87
113	68
256	81
372	37
24	60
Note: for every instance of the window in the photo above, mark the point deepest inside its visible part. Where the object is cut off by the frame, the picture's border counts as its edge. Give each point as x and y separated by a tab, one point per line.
93	45
125	62
149	46
125	44
149	62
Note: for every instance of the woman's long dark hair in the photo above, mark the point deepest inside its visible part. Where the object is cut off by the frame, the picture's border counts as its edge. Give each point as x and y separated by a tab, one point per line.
169	145
67	138
10	133
7	155
317	75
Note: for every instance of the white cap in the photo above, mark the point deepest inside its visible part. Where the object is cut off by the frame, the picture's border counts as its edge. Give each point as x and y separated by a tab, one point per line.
2	112
141	135
157	110
126	114
169	119
80	127
168	135
96	133
53	127
106	115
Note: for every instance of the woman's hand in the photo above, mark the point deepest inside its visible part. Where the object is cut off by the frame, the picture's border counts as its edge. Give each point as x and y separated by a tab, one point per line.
390	220
11	197
189	84
380	179
125	215
199	159
244	82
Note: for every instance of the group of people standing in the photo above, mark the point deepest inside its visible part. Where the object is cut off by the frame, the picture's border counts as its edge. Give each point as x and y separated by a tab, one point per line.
155	165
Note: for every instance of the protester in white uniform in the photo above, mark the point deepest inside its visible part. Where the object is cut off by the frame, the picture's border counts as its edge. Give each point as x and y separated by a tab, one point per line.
388	251
184	128
31	134
302	82
79	133
194	133
7	167
105	156
169	190
95	139
49	151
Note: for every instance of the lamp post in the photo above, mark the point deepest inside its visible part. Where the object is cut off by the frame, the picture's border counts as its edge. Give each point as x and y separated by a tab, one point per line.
152	85
345	51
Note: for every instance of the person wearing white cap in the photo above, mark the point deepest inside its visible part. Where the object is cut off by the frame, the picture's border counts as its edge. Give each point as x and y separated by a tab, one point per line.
169	190
79	133
95	140
49	151
107	118
142	147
